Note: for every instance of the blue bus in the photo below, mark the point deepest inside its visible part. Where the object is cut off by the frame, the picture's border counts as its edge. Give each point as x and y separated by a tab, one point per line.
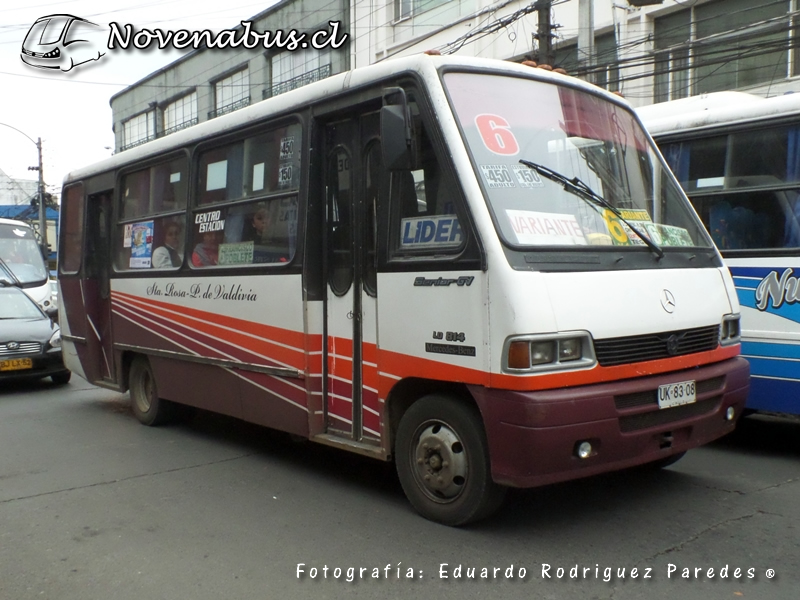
737	157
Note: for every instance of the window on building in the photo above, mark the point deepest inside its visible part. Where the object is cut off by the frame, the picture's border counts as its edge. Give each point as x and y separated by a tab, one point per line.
138	130
607	62
291	70
672	34
604	72
721	45
180	113
404	9
231	93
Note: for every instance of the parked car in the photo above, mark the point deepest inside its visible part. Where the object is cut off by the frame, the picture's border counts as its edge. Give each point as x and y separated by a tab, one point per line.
30	342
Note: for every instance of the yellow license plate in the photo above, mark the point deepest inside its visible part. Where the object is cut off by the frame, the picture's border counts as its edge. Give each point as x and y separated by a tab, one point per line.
16	364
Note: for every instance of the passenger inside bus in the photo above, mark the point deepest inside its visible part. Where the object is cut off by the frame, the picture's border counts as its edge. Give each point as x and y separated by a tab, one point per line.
260	230
206	253
170	253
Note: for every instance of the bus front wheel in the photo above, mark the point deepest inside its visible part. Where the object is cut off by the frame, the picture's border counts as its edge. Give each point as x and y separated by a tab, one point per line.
442	460
147	406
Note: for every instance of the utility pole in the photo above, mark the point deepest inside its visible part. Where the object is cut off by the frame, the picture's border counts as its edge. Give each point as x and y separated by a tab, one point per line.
544	32
586	53
42	207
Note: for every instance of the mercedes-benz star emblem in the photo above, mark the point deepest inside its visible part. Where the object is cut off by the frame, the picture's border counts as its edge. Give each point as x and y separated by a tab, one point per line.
667	301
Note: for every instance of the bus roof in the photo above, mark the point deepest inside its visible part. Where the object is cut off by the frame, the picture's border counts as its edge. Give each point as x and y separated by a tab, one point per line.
4	221
713	110
425	65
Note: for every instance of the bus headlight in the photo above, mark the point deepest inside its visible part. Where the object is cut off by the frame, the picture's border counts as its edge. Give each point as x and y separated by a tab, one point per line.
730	332
533	353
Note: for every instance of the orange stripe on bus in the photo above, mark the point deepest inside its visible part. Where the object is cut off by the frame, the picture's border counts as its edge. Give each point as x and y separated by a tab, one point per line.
237	337
288	337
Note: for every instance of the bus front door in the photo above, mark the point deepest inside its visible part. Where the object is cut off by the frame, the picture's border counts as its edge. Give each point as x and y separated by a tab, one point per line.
352	174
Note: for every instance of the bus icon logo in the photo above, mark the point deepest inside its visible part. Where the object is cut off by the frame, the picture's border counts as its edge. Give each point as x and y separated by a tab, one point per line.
63	42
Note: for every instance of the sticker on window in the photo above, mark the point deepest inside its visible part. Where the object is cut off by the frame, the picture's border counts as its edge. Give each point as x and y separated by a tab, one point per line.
127	236
236	254
217	176
141	245
496	134
526	177
546	229
285	176
210	221
430	232
497	176
632	214
258	177
287	148
669	235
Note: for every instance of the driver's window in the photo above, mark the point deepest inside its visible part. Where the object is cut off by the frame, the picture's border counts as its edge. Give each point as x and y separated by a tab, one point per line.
424	201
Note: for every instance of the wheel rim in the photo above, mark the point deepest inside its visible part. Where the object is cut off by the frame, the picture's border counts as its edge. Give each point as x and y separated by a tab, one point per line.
145	391
439	461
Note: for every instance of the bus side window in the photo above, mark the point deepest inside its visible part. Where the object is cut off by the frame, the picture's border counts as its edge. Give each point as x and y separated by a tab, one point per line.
424	217
71	229
239	217
152	210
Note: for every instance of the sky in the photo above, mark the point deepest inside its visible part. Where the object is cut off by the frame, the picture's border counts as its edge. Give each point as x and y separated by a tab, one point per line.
70	111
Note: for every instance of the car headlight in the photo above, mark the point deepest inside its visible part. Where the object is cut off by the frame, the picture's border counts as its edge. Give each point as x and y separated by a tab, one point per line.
533	353
730	332
55	339
52	54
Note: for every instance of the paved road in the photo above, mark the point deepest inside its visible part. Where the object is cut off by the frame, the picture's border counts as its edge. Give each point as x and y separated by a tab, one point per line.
94	506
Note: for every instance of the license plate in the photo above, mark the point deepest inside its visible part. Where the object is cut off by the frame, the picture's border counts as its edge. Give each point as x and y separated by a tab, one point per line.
676	394
16	364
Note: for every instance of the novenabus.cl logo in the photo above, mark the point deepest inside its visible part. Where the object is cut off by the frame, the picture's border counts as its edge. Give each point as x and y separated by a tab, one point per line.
63	42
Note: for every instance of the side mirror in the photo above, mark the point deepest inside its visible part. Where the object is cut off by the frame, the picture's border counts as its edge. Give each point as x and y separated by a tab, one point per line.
397	139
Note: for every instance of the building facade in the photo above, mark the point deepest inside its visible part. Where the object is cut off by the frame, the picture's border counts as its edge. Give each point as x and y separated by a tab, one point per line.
17	192
207	83
648	50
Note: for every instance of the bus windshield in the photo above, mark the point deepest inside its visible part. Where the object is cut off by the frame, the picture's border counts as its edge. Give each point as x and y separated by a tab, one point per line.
21	262
509	123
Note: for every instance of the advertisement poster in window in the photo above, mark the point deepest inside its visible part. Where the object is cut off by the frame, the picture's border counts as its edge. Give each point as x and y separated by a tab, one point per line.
141	244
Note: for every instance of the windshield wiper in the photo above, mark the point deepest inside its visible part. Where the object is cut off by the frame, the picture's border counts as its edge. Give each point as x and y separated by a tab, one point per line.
583	191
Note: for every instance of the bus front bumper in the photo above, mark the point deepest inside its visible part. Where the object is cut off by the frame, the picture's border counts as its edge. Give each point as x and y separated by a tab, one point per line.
534	437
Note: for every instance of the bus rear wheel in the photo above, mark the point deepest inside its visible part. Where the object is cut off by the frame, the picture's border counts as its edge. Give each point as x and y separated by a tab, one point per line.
148	408
442	460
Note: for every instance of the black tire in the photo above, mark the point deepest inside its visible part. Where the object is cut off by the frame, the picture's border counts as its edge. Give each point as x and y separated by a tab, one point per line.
442	460
61	378
147	406
663	463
